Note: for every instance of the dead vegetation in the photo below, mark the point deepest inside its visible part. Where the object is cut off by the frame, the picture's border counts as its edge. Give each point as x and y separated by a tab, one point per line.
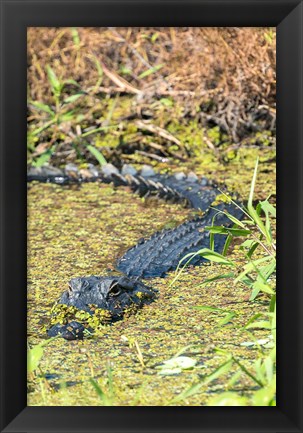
220	77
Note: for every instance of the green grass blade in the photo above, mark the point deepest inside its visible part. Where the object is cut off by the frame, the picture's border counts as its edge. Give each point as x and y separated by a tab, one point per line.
98	155
253	183
106	401
212	256
222	369
188	392
151	71
75	36
101	128
217	277
227	244
247	372
267	207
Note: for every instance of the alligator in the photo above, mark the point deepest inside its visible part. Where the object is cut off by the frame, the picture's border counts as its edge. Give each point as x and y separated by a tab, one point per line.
111	297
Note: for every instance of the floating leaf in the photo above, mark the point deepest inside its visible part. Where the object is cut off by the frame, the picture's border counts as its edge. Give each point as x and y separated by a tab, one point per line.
176	365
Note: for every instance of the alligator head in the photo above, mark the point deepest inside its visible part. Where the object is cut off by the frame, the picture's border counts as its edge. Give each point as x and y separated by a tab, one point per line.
107	298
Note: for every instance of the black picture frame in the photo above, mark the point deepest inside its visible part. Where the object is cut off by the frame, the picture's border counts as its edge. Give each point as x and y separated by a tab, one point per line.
16	16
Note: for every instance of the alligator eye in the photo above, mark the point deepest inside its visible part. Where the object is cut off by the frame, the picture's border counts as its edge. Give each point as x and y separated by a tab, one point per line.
115	291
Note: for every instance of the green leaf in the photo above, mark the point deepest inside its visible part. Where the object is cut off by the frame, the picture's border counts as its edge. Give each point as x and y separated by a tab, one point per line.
262	324
34	356
234	379
66	117
226	319
267	207
72	98
252	249
154	37
43	158
253	183
234	219
222	369
101	128
265	396
151	71
272	305
228	230
75	36
251	244
253	318
269	368
166	102
98	155
54	82
259	286
98	67
188	392
252	212
215	257
71	81
37	131
227	244
42	107
223	352
124	70
212	241
106	401
231	217
248	243
251	266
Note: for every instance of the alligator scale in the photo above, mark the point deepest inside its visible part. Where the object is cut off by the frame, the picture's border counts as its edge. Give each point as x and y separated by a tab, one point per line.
109	298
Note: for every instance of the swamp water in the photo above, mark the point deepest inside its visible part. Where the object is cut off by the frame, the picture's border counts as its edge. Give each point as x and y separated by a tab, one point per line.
80	231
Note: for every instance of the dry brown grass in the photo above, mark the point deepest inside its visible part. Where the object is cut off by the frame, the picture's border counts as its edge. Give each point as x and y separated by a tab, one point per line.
224	76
